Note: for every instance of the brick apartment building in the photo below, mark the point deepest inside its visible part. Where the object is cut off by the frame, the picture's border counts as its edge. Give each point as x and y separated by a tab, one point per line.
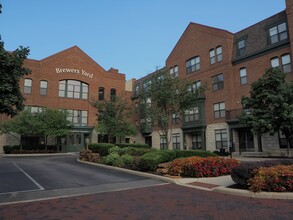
227	63
68	80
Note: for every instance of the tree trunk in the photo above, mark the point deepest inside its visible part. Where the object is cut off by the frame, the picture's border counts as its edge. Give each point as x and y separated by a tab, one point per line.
259	143
288	146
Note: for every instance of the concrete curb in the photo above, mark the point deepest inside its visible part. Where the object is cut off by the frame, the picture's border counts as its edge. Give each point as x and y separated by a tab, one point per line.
38	155
219	189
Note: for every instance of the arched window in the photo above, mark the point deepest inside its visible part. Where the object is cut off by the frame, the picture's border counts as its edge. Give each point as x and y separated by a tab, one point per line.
193	64
43	87
113	94
27	89
101	93
73	89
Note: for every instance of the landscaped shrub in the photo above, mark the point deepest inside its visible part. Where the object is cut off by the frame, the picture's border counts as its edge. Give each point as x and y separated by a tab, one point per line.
112	159
192	153
202	167
272	179
244	171
221	153
135	151
29	149
101	148
150	161
127	160
133	145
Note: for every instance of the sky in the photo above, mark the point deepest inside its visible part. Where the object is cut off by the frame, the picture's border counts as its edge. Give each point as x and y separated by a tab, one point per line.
134	36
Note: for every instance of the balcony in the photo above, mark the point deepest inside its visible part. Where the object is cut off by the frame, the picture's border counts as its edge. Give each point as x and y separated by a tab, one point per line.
232	115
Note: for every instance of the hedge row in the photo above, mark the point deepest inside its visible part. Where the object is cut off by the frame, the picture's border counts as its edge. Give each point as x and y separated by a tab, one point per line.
202	167
15	149
246	170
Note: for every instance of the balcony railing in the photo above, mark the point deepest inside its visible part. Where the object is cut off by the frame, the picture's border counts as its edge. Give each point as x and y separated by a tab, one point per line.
233	114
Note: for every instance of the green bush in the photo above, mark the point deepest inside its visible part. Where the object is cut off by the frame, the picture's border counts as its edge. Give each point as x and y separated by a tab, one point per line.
113	159
133	145
101	148
8	148
192	153
150	161
135	151
29	149
127	159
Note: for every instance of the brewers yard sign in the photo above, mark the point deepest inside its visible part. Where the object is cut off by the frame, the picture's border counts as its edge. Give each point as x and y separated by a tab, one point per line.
74	71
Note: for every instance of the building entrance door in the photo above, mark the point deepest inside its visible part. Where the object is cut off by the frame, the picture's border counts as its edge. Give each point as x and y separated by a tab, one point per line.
246	140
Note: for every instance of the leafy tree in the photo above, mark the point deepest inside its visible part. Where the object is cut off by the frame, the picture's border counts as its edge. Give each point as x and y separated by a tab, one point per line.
114	118
23	124
165	97
11	70
46	123
53	123
270	105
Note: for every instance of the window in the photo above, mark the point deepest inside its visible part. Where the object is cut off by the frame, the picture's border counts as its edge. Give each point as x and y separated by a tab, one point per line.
197	141
173	72
163	142
221	138
147	86
219	110
136	90
278	33
43	87
73	89
175	118
113	94
218	82
176	141
27	86
191	115
78	117
243	76
241	45
212	56
219	53
286	63
194	86
193	64
34	109
101	93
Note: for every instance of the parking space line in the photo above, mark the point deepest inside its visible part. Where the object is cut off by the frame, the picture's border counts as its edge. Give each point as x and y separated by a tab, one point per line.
28	176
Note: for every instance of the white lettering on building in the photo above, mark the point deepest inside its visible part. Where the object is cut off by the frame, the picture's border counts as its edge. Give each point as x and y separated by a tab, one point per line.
74	71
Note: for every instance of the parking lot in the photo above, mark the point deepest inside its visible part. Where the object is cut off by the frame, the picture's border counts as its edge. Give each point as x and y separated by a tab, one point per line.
30	178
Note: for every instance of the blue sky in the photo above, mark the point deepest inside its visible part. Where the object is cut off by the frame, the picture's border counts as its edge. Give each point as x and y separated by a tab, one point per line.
134	36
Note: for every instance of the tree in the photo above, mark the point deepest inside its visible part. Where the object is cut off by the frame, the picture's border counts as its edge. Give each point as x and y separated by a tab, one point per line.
46	123
167	96
11	70
53	123
114	118
269	108
23	124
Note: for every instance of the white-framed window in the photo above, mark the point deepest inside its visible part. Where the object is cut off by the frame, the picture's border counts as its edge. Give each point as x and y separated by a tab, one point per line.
278	33
196	140
43	87
219	110
34	109
27	86
243	76
193	64
73	89
219	53
212	56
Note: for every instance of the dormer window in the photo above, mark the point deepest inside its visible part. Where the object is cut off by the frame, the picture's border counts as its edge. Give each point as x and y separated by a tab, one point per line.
278	33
